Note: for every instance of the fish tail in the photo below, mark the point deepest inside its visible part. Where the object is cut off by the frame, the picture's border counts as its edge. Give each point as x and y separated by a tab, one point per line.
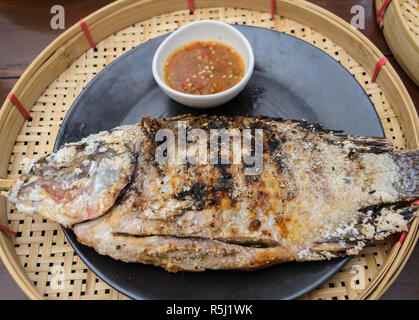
408	164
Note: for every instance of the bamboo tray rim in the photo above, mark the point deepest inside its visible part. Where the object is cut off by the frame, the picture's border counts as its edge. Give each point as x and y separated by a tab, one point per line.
94	19
395	5
400	37
404	25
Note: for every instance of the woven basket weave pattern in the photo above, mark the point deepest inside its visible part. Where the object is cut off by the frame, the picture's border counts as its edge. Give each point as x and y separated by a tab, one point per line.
41	244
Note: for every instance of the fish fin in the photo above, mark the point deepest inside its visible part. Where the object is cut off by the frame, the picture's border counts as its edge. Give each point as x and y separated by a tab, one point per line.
378	222
393	219
302	124
330	250
335	247
367	144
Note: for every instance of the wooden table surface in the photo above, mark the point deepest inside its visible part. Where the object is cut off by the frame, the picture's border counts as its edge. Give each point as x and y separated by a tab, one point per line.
25	31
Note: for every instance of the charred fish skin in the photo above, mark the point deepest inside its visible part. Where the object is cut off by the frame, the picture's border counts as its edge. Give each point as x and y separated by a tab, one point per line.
81	180
318	196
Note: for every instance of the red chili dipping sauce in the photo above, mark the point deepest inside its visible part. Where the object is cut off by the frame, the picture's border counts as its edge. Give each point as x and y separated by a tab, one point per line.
203	67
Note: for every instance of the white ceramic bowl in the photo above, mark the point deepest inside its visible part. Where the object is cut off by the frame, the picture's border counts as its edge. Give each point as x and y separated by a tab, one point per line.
205	30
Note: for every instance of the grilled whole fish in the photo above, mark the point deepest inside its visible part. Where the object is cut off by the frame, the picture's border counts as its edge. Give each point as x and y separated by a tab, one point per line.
317	195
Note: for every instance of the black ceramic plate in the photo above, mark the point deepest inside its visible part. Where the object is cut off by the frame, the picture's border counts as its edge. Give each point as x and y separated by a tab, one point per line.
292	79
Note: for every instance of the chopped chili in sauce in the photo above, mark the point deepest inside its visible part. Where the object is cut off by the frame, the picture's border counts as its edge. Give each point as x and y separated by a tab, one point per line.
203	67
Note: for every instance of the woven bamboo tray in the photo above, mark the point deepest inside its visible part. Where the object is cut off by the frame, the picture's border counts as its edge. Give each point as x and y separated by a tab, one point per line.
400	26
40	255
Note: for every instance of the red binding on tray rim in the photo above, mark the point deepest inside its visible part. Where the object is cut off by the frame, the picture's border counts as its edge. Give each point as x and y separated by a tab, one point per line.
273	7
3	228
191	8
380	12
378	66
402	237
83	26
11	96
400	240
